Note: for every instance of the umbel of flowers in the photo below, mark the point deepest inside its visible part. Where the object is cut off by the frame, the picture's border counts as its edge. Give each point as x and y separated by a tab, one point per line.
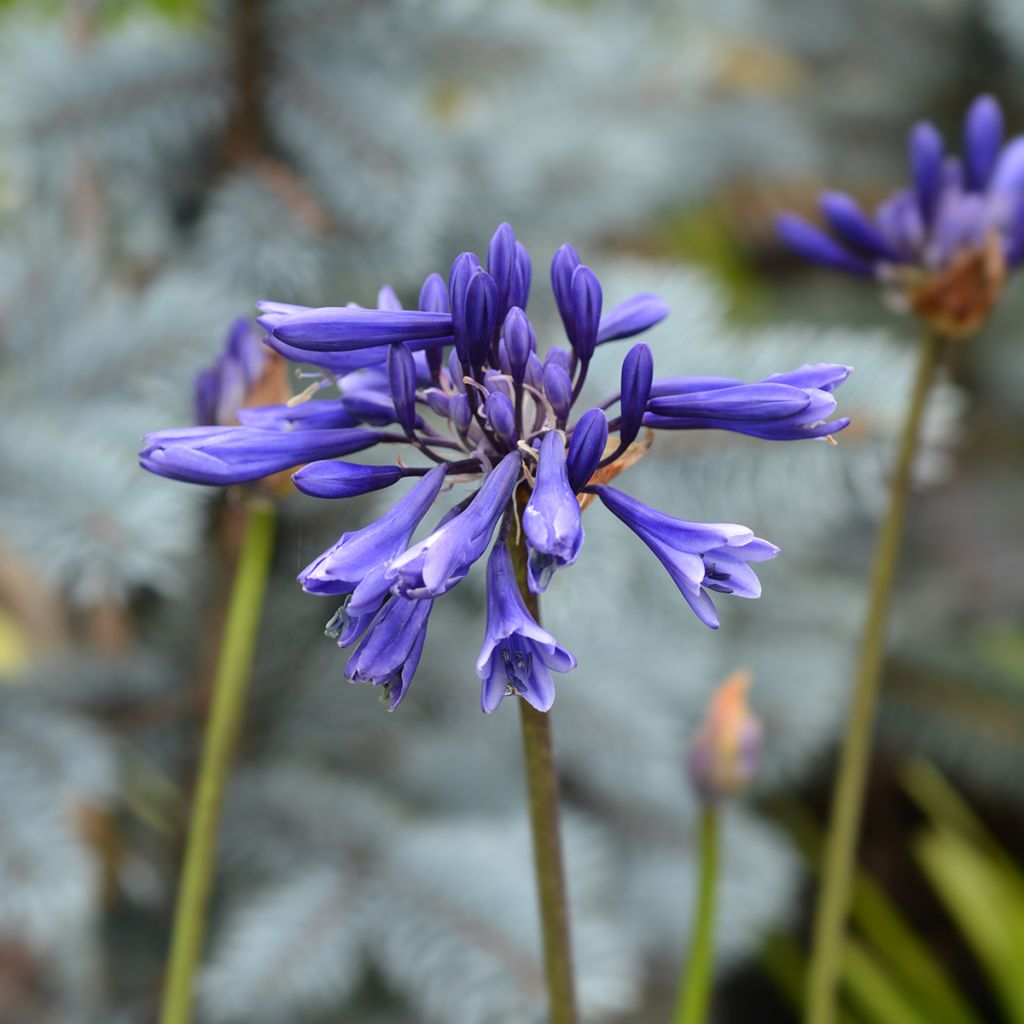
942	246
461	384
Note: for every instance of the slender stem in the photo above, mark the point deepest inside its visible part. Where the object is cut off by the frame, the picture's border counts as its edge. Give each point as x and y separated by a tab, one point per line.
222	728
695	991
542	789
848	797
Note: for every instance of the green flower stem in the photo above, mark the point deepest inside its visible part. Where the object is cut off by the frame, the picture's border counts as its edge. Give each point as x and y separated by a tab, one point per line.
695	991
848	797
542	790
223	724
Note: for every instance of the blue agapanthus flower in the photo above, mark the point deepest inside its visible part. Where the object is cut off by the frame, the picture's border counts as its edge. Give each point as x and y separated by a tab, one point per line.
462	385
944	245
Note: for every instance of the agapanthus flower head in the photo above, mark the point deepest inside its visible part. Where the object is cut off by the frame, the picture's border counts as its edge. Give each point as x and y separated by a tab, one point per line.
481	408
942	246
726	751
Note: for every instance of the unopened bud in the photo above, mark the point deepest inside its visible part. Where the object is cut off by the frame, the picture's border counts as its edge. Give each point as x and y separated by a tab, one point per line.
726	750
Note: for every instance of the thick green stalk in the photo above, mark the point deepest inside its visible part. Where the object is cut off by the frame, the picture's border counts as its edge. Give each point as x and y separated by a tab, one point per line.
227	709
542	790
848	797
695	991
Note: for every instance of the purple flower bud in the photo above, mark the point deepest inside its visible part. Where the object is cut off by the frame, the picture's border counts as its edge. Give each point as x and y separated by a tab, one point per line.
481	318
586	447
520	342
983	138
402	379
455	371
332	479
519	285
814	245
387	299
637	375
558	388
460	413
390	652
434	299
559	356
347	328
727	748
502	417
586	311
463	268
849	222
563	265
235	455
700	557
551	520
631	317
925	150
438	401
434	565
348	563
434	295
534	372
501	258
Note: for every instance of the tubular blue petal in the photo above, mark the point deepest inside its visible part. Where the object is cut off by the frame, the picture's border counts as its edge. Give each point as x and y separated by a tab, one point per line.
234	455
558	389
402	379
847	220
519	286
1008	174
745	402
563	265
390	652
586	311
434	295
925	152
822	376
812	244
520	341
551	520
501	258
338	363
332	479
586	447
345	328
481	317
438	562
983	138
518	655
354	555
632	317
637	377
501	415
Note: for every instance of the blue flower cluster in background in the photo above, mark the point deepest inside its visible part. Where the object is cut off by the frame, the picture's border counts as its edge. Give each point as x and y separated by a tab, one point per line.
943	245
461	381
